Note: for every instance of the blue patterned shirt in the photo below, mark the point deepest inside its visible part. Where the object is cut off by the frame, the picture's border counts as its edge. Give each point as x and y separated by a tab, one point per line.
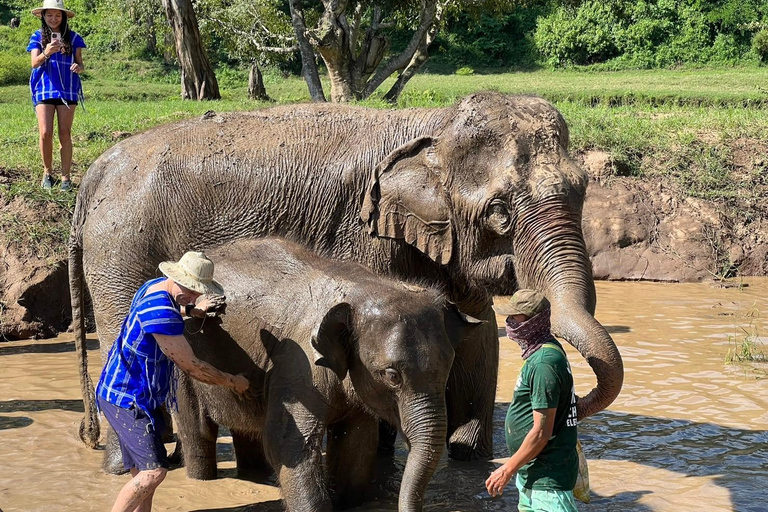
54	78
137	371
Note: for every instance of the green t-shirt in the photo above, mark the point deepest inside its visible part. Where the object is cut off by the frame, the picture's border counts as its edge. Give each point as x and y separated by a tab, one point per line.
546	382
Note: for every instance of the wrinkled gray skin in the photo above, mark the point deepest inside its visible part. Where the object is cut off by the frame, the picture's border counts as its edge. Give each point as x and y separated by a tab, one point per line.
481	198
330	347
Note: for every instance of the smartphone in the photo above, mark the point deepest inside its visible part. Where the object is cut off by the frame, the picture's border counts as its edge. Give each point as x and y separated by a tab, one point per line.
55	36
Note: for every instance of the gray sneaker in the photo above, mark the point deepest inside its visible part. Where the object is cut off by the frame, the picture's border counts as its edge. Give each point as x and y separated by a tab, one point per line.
66	185
47	183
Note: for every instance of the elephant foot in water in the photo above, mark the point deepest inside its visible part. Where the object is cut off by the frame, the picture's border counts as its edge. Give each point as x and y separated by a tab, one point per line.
251	461
465	443
113	457
387	436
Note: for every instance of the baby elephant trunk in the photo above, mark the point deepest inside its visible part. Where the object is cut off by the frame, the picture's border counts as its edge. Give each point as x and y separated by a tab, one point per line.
425	426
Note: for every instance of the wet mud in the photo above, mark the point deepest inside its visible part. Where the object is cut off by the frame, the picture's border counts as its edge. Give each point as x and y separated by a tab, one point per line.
688	432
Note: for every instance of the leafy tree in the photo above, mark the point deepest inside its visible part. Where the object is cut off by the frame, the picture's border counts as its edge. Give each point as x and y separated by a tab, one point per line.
353	38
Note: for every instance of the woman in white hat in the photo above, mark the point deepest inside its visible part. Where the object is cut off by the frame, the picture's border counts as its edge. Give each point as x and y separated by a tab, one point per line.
138	376
57	61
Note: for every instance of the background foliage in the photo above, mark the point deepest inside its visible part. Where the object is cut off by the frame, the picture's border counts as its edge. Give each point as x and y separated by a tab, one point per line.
479	35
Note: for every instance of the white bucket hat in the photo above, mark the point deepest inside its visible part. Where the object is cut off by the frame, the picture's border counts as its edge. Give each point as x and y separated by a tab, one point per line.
193	271
52	4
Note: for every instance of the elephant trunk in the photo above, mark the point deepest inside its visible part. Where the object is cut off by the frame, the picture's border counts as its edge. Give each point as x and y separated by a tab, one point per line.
574	322
425	426
555	261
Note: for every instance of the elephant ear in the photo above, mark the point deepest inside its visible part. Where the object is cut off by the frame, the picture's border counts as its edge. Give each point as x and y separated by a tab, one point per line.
330	340
405	199
458	325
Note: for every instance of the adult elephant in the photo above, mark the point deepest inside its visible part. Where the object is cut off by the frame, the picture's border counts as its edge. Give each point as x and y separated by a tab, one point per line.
480	197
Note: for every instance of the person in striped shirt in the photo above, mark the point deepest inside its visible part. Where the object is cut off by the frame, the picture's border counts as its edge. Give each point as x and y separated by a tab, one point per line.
138	380
57	61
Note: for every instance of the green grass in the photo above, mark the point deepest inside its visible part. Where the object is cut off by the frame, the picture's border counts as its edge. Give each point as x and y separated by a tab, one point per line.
746	347
701	87
681	125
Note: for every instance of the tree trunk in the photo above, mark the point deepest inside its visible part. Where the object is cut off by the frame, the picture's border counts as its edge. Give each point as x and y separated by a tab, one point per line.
420	56
256	89
198	82
151	35
308	64
332	39
427	23
418	59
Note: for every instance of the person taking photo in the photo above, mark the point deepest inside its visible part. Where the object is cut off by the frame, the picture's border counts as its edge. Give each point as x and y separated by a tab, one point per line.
57	61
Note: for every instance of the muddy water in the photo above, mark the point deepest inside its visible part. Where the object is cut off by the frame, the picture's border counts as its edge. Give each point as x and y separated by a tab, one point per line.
688	432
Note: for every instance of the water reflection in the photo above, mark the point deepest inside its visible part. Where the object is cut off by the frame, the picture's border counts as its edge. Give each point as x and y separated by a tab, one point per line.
8	422
45	348
732	456
41	405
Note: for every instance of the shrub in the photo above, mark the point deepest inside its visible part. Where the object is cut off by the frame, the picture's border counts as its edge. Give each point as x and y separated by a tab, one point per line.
760	44
14	69
465	71
578	36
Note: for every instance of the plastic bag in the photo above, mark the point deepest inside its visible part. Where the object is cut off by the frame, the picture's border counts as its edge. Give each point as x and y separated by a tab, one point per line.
581	491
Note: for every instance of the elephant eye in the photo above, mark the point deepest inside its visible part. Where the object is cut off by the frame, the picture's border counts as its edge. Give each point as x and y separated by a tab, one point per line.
391	377
499	218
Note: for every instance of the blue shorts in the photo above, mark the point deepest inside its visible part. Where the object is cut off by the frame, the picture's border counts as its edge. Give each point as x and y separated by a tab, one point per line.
539	500
141	443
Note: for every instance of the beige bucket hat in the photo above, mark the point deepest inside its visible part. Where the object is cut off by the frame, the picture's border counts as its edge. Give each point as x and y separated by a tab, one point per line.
52	4
523	302
194	271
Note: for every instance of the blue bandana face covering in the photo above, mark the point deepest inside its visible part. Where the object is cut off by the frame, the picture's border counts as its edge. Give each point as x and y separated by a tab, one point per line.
532	333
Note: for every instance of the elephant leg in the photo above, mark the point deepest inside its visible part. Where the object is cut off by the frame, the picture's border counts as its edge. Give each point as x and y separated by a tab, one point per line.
351	452
471	393
198	444
250	457
387	437
113	457
293	442
197	432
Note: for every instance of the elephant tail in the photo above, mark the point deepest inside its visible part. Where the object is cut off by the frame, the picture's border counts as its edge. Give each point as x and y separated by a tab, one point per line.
89	426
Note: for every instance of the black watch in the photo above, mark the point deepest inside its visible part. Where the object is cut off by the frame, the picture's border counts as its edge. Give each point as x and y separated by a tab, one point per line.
188	309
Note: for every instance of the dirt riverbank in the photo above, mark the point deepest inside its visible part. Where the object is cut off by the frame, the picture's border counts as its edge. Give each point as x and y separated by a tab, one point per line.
635	229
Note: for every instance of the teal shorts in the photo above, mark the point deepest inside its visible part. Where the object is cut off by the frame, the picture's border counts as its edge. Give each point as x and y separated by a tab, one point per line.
540	500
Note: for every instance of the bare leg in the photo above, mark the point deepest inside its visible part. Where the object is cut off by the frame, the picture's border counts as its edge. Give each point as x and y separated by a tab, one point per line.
66	114
45	126
146	505
136	495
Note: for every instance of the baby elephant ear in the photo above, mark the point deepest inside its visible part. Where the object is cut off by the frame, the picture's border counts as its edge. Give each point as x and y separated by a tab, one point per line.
405	199
458	325
330	340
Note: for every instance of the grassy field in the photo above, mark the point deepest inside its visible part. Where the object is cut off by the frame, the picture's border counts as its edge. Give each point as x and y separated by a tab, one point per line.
680	124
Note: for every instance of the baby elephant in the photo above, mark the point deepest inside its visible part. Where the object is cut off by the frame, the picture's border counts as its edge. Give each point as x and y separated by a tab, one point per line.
329	347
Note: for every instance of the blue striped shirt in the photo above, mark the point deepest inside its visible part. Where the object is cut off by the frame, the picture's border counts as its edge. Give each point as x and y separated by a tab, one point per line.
54	78
137	371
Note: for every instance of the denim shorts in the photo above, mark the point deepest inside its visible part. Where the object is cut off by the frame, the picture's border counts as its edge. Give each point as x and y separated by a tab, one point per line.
541	500
141	443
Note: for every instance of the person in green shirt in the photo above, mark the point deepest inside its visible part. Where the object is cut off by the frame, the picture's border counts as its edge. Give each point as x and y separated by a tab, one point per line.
540	427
